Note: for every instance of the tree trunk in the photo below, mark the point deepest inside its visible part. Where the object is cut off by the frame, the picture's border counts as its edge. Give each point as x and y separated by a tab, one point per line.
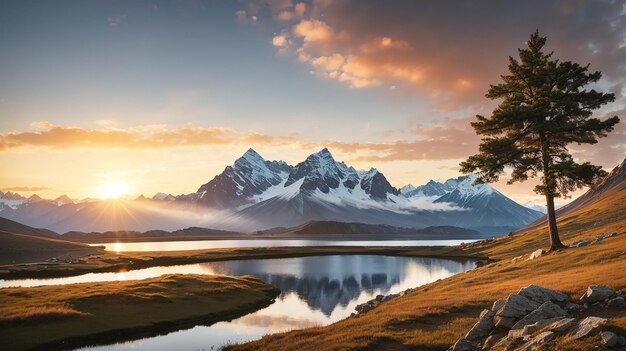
555	241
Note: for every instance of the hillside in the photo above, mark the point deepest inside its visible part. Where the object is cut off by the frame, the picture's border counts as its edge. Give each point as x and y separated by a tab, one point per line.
10	226
434	316
20	248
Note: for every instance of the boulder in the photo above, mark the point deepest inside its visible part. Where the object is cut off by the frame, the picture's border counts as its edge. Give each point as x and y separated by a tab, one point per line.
563	325
482	327
597	293
609	339
532	328
497	305
514	307
586	327
545	311
462	345
536	254
380	297
541	338
541	295
616	302
621	341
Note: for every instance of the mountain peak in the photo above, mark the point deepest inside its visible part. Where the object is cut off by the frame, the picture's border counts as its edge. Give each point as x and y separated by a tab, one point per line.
252	156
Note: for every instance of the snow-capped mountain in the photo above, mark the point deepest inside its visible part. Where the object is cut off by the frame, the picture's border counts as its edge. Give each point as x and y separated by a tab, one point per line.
255	194
536	207
238	184
11	199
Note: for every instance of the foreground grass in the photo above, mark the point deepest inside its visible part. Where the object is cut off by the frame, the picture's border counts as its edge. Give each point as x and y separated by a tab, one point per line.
432	317
61	316
20	248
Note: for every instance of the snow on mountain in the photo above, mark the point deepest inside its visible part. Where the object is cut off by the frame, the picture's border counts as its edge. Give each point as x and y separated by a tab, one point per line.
163	197
536	207
248	177
11	199
407	189
63	200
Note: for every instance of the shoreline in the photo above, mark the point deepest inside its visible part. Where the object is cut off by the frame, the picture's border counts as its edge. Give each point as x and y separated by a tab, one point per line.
127	261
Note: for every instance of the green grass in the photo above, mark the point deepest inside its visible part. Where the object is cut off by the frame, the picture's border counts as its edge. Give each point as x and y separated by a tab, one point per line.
80	314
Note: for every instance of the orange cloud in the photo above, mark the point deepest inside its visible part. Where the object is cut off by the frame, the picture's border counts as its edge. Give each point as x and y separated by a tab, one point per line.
58	137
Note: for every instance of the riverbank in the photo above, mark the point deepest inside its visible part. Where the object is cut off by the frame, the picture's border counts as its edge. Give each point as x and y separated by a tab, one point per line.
60	317
113	262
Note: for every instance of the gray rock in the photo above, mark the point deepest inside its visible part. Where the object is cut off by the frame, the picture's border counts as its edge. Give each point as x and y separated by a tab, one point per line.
616	302
531	328
492	340
541	295
610	235
574	307
581	243
462	345
541	338
563	325
621	341
497	305
536	254
586	327
363	308
609	339
514	307
380	297
597	293
482	327
545	311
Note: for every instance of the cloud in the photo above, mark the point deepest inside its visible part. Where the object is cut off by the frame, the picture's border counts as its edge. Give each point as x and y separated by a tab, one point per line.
141	137
26	188
449	53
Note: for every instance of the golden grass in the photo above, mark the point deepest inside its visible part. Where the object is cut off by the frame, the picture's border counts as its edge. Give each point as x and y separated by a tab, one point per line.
432	317
81	313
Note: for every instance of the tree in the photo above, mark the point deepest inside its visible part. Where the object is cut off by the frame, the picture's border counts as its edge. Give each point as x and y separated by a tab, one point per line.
544	107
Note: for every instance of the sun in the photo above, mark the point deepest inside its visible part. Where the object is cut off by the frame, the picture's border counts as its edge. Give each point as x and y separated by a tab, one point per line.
114	190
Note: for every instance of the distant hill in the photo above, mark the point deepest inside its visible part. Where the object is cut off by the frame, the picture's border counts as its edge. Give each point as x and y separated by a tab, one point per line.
10	226
21	248
129	235
314	228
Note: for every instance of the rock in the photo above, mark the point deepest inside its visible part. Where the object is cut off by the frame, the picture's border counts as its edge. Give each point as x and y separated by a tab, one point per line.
379	297
609	339
610	235
621	341
586	327
581	243
563	325
492	340
514	307
574	307
545	311
541	295
531	328
597	293
497	305
541	338
363	308
616	302
536	254
462	345
482	327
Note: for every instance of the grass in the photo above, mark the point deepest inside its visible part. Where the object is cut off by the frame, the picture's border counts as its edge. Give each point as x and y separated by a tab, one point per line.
433	316
63	316
21	248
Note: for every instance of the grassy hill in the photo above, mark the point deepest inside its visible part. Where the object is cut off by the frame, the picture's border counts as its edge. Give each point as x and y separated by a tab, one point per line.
434	316
21	248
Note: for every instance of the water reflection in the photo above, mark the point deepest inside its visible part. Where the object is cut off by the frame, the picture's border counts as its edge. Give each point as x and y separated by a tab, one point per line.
315	290
221	244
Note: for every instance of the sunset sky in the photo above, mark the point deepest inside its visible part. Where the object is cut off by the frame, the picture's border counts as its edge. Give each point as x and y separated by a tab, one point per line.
162	95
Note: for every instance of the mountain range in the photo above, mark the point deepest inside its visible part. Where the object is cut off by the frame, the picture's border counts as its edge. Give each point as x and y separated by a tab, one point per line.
256	194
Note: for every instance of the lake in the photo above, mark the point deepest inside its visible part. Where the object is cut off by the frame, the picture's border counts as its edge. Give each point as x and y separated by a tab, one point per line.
222	244
316	290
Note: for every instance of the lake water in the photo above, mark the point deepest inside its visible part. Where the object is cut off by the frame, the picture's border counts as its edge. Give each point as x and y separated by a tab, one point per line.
315	290
222	244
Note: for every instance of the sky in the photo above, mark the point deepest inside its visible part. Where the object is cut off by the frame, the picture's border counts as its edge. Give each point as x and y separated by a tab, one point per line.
159	96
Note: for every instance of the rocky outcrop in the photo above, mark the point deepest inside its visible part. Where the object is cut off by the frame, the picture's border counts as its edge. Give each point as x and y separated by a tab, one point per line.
535	316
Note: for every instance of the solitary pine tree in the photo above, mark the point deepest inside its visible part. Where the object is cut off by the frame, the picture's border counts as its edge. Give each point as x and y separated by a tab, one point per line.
544	107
